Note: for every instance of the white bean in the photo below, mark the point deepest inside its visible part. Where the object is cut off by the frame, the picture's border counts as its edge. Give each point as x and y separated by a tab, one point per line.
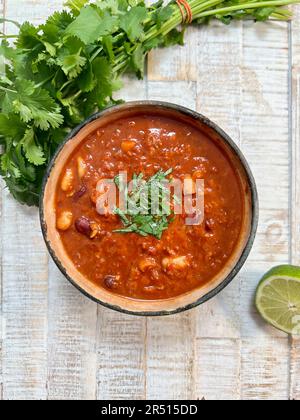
81	165
67	181
64	220
177	263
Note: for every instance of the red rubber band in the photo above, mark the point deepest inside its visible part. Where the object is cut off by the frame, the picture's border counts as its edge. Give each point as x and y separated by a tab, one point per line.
185	10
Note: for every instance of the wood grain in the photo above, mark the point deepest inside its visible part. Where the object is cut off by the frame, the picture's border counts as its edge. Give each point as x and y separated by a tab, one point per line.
24	294
218	365
265	121
176	63
72	323
265	373
295	186
122	349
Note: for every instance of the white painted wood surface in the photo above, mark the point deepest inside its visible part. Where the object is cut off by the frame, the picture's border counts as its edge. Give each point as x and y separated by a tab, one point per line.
56	344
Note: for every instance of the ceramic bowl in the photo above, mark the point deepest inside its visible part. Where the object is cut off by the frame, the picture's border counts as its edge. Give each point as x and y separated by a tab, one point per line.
151	307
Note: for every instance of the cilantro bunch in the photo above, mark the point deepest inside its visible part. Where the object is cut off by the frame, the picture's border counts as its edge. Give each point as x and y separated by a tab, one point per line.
55	75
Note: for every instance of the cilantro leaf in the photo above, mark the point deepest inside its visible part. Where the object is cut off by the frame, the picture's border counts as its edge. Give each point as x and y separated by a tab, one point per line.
139	217
132	22
6	51
137	61
8	167
56	25
104	75
264	13
28	37
162	15
72	64
114	6
11	126
35	104
86	80
24	191
76	5
33	152
91	24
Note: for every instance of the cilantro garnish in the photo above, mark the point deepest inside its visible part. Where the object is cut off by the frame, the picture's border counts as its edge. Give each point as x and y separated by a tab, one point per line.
141	216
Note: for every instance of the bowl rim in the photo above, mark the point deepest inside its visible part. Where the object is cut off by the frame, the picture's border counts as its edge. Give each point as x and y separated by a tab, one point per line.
225	137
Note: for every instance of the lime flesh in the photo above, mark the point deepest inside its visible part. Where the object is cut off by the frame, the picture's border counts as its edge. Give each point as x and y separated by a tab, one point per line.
278	298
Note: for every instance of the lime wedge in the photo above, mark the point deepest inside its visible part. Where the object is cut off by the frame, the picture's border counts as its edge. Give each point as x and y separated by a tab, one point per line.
278	298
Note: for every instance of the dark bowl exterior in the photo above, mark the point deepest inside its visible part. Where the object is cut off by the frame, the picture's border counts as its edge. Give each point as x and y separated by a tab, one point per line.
226	138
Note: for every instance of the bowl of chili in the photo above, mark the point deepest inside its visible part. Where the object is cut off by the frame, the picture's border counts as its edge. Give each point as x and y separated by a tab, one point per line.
131	260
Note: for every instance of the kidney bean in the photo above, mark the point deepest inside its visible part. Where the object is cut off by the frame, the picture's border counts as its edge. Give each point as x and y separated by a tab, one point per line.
83	226
80	193
111	282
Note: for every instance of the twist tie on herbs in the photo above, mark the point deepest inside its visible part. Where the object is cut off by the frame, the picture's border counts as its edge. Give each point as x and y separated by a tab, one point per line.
185	10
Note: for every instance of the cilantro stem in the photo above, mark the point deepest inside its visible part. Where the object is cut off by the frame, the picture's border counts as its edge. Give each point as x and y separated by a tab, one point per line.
246	6
8	36
74	5
7	90
96	53
44	82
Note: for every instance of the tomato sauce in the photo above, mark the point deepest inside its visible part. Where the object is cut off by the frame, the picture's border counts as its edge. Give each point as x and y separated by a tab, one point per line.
131	265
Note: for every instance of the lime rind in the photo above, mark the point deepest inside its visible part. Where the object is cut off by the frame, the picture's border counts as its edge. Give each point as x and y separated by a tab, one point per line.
278	298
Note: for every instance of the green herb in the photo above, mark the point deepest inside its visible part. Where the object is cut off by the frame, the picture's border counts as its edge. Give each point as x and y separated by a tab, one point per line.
55	75
142	215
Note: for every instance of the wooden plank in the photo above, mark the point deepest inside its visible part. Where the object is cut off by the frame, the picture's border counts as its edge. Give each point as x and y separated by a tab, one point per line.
171	357
265	141
265	369
295	178
72	323
35	12
295	369
122	339
133	89
179	92
176	63
24	284
219	53
218	369
122	347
